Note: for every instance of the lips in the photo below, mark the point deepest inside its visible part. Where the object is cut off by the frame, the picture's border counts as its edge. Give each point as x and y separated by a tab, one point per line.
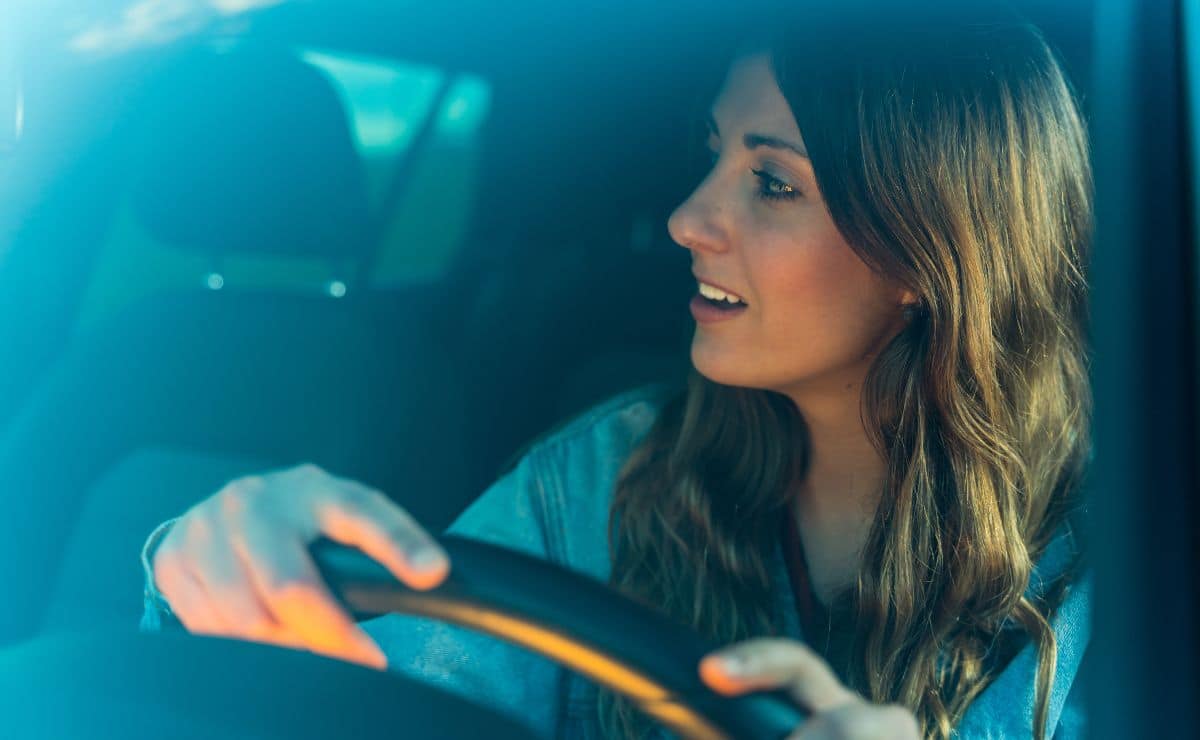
706	312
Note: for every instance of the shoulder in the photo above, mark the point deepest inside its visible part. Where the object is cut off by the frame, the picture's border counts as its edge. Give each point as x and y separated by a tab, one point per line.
1006	707
1062	556
553	500
577	465
614	425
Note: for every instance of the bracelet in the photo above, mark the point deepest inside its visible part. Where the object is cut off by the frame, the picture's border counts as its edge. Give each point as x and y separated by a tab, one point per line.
151	591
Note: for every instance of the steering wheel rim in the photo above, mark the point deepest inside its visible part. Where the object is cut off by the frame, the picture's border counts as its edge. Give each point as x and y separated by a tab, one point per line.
607	637
132	685
127	685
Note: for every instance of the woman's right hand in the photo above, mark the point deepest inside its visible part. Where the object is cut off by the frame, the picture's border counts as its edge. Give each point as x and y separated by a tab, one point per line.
237	563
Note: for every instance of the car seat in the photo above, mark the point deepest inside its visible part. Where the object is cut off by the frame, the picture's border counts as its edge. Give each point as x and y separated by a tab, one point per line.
250	154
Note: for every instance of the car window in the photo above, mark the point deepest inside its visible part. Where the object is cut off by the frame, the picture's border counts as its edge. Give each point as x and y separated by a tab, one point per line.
416	129
389	103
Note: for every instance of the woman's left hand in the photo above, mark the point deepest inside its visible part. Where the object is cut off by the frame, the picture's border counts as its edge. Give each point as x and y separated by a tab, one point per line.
837	712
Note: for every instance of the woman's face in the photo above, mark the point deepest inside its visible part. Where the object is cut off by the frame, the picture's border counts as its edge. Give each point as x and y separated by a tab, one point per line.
815	314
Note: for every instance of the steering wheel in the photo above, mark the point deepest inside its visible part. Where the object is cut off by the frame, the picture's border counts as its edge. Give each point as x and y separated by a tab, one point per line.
134	686
573	620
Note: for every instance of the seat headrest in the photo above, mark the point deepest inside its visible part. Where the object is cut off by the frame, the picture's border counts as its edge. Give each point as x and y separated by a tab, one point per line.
250	151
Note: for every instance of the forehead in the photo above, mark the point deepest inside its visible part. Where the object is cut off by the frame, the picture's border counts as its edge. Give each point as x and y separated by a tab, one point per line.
750	100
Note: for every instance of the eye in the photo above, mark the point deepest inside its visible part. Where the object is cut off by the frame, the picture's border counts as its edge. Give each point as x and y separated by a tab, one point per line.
772	188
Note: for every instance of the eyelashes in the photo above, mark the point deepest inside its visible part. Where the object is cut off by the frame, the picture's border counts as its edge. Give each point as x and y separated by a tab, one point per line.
770	188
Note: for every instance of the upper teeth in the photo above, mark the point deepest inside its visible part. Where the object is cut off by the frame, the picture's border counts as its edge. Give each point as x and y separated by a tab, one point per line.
716	294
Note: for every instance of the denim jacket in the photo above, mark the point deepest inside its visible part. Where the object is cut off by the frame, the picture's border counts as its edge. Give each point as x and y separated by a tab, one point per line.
554	504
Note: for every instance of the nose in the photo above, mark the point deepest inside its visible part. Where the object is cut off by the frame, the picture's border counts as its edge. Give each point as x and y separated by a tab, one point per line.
696	224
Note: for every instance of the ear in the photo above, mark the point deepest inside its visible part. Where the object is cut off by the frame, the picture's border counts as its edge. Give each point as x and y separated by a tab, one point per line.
909	298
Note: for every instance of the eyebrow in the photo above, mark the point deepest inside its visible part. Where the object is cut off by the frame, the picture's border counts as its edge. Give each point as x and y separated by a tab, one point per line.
754	141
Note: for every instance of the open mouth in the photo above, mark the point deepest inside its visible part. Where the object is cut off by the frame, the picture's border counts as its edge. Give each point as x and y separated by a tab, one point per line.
723	304
719	297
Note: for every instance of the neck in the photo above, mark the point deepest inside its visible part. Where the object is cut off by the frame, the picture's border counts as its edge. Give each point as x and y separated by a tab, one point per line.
844	471
835	503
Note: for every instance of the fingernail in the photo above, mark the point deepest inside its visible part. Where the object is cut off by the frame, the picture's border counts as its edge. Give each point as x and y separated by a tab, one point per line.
715	673
426	558
733	665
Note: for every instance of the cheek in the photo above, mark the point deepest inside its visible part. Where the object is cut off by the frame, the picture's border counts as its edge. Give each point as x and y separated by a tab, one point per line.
814	285
822	307
818	312
811	280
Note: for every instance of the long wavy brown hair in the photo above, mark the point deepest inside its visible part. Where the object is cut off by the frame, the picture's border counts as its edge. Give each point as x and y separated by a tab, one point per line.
953	158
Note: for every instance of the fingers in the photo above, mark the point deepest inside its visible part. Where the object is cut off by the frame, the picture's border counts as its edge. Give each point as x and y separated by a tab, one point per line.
368	520
231	594
768	663
211	595
188	599
838	713
238	565
288	584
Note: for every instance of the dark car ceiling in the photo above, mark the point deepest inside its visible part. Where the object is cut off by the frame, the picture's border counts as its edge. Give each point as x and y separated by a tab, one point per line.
599	46
609	82
470	34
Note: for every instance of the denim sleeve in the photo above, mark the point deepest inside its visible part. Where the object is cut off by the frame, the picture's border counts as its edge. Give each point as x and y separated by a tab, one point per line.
513	513
1072	723
1005	708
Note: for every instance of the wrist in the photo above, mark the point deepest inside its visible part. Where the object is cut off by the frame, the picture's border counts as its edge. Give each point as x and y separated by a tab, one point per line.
155	539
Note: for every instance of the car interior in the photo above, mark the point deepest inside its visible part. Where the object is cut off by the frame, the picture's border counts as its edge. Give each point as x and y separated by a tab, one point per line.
389	240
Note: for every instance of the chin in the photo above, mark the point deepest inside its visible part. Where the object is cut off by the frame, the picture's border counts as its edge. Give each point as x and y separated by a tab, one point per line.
725	367
728	366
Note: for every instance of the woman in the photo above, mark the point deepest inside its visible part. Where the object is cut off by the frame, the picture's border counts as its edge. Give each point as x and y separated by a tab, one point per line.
866	487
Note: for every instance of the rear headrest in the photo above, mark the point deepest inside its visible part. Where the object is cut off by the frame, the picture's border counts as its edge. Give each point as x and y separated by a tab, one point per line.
250	151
